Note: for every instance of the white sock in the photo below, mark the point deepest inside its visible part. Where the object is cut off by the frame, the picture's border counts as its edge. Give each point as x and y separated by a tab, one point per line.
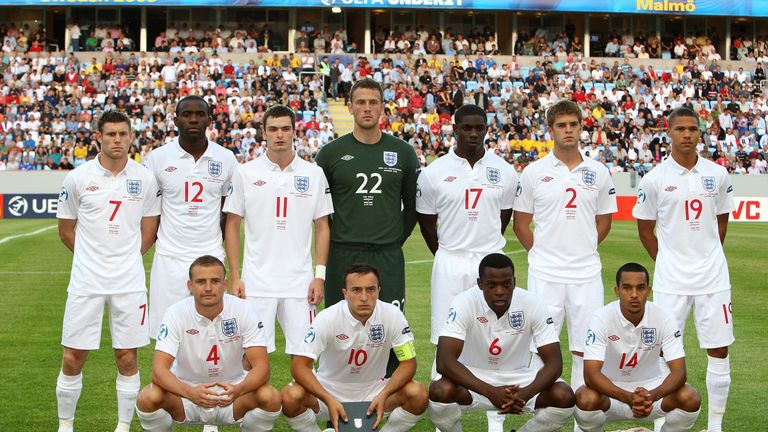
258	420
547	419
157	421
679	421
304	422
577	372
400	420
495	421
664	368
718	384
127	388
590	421
68	388
445	416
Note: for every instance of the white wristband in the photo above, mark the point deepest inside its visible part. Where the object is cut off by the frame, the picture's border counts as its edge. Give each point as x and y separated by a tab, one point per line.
320	272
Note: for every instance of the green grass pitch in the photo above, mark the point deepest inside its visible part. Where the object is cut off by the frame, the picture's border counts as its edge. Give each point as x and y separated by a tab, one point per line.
34	272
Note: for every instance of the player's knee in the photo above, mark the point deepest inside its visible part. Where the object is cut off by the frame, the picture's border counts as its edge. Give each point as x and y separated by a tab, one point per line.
689	398
73	360
150	398
443	391
292	397
721	352
125	359
416	397
561	395
268	398
588	399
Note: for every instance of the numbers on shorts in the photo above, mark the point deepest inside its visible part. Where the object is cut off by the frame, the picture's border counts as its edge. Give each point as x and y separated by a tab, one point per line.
400	304
281	207
572	202
213	355
469	199
631	363
117	205
364	183
692	206
495	349
143	308
359	357
196	188
727	310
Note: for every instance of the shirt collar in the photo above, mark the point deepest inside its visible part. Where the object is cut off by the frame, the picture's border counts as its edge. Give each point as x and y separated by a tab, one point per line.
683	170
354	321
275	167
460	160
183	153
625	322
203	320
107	173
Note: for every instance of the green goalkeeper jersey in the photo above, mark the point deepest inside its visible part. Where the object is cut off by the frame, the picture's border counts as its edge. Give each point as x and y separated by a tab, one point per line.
373	187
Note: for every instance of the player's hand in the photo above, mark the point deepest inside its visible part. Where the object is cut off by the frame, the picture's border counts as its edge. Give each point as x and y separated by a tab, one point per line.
238	288
642	403
204	395
515	400
228	394
316	291
499	396
336	412
377	405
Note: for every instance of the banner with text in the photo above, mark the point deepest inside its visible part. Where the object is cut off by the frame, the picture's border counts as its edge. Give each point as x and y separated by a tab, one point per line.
29	206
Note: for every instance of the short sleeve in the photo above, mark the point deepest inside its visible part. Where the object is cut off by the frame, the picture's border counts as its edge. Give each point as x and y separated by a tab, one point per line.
253	333
235	202
324	205
69	198
646	207
149	162
425	195
595	344
401	329
152	202
672	342
607	195
725	196
458	320
226	186
543	326
510	193
316	338
524	193
169	336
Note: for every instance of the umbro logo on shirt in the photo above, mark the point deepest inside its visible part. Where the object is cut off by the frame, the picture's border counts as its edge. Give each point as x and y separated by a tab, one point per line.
92	188
342	336
347	157
614	338
259	183
192	331
482	319
450	179
170	169
671	188
547	179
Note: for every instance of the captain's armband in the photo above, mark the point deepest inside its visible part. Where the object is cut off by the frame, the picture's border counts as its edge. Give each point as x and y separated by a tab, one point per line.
406	351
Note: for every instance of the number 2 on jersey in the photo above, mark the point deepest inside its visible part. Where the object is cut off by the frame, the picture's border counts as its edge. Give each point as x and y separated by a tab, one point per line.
572	202
467	197
195	186
213	355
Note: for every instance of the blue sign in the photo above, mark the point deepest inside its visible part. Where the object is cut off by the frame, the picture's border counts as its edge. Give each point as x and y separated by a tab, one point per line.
30	206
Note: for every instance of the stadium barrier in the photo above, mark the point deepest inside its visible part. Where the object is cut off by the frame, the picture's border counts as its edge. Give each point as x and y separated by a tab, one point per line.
34	194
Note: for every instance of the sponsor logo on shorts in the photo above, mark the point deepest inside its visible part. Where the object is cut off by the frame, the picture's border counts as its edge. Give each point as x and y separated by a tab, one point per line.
192	331
229	327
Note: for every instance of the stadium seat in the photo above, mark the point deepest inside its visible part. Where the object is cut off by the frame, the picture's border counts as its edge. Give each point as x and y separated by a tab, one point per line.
471	85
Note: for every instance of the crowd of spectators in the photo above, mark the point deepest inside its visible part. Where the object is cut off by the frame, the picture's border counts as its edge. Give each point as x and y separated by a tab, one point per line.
222	39
50	103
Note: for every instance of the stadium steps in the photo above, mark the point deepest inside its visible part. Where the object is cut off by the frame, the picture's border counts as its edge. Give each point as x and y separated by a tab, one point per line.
340	117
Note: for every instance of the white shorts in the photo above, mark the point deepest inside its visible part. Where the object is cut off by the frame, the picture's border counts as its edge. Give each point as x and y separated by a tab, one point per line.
619	411
195	414
167	285
452	274
522	378
127	320
343	393
294	314
712	315
573	302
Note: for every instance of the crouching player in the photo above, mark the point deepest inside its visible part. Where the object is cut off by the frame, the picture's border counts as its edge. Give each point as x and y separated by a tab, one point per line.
484	350
197	372
352	340
621	362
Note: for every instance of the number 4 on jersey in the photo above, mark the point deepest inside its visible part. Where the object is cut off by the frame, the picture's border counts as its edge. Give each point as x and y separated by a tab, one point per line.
213	355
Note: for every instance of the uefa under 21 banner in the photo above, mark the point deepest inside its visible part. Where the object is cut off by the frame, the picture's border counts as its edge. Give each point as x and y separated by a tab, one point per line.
758	8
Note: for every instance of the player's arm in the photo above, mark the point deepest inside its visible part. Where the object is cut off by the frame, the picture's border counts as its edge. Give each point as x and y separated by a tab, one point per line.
648	237
67	232
506	216
408	195
149	225
322	245
256	377
223	215
594	379
428	227
603	225
547	375
722	225
522	227
301	370
162	377
673	381
232	248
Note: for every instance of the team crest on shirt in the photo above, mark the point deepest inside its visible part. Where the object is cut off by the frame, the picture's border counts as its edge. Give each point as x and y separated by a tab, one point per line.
451	316
133	187
229	327
516	320
162	333
589	177
640	196
214	168
390	158
376	333
310	336
493	174
649	336
709	183
301	183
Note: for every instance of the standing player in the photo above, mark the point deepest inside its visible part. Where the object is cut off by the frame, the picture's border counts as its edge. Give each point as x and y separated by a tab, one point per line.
571	199
621	367
464	203
687	199
372	176
280	196
108	215
194	176
352	340
197	372
484	350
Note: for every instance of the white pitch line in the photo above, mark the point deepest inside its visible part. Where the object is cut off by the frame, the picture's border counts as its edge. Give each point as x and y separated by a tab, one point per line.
13	237
430	260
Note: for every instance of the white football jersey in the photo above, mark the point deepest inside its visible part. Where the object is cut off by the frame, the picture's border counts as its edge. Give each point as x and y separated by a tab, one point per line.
685	205
108	209
279	207
502	344
206	351
191	196
564	204
467	200
352	353
629	353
